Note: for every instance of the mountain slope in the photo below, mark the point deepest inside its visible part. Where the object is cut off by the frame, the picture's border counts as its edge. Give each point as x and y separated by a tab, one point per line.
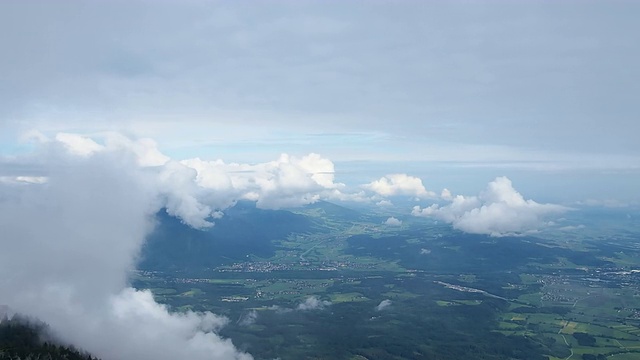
23	339
243	230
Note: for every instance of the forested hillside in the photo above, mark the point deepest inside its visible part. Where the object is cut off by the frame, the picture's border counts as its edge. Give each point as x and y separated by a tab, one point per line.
23	339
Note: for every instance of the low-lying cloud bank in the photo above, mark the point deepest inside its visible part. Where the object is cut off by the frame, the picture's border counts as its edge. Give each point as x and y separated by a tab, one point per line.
68	245
497	211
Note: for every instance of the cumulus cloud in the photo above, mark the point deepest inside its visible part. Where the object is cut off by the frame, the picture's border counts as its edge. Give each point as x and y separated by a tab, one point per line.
288	181
499	210
182	196
313	303
393	222
68	245
383	305
399	184
145	149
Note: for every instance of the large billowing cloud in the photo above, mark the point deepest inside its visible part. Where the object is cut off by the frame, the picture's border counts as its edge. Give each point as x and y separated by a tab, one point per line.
287	182
68	244
196	190
399	184
499	210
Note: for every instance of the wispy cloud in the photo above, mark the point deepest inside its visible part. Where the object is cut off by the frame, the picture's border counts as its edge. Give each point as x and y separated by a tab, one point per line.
384	304
249	318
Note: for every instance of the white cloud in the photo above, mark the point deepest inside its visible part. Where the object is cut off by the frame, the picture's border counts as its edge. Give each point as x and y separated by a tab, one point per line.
383	305
313	303
393	222
445	194
78	145
145	149
183	198
196	190
499	210
384	203
70	270
287	182
399	184
341	195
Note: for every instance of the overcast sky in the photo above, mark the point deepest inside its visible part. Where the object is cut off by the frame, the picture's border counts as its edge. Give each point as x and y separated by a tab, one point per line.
536	90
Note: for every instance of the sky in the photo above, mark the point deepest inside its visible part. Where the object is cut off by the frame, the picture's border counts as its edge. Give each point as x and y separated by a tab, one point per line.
531	89
494	117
